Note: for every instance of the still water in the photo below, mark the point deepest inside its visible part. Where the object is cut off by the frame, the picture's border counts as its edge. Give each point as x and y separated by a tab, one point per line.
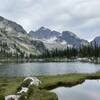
89	90
30	69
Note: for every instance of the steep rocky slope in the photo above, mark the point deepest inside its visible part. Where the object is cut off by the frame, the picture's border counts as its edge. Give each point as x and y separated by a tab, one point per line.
96	41
17	40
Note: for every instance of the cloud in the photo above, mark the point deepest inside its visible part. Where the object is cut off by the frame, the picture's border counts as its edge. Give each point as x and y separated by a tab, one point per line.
79	16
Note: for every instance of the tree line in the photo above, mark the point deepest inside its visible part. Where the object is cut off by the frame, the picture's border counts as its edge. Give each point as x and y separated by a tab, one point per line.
5	52
89	51
84	51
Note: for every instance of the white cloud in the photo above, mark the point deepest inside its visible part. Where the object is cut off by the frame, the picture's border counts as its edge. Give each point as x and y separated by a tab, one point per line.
79	16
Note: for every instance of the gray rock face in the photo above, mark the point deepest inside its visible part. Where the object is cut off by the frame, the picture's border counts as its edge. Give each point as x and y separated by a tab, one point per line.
43	33
71	39
96	41
54	39
16	37
11	27
39	45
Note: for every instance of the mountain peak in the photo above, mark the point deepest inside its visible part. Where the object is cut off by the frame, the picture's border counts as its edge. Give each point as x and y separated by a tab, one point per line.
96	40
17	39
43	33
68	33
66	37
10	26
43	28
98	37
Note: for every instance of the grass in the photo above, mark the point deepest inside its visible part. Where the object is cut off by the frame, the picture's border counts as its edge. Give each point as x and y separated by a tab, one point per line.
69	80
38	94
9	85
35	93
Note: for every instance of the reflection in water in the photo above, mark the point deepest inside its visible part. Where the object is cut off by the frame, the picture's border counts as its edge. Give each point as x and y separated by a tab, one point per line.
89	90
30	69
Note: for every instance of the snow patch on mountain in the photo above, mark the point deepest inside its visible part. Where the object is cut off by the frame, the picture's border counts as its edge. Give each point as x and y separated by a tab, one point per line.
63	43
51	40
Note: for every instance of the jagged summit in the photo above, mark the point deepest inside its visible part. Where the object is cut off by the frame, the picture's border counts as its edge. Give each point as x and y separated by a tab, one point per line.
43	33
43	28
53	37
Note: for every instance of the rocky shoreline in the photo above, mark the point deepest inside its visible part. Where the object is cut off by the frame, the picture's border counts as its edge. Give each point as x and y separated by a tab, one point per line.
87	60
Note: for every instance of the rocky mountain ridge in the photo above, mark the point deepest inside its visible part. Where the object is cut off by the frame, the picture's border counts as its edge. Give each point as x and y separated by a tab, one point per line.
17	39
54	39
96	41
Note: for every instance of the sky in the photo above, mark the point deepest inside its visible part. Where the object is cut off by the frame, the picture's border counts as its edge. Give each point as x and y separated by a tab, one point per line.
79	16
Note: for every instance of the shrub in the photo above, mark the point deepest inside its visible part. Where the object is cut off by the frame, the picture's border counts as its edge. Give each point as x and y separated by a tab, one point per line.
23	96
26	83
2	97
